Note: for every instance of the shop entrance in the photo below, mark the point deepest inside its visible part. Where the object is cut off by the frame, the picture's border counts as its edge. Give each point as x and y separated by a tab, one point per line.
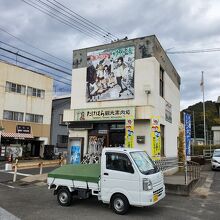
106	135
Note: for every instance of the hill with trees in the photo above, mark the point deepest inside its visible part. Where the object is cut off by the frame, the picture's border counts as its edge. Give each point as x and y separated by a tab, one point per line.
212	118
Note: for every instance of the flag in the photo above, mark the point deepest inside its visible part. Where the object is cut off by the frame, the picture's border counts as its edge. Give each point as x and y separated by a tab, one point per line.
202	83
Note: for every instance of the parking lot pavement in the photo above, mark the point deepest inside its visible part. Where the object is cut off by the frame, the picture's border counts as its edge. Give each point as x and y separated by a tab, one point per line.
32	201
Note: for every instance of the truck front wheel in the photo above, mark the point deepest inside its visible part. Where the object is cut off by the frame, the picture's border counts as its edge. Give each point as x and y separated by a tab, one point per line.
64	197
119	204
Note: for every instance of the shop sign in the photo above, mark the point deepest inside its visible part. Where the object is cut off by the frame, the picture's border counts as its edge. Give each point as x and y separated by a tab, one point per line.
24	129
118	113
155	138
141	139
168	112
129	132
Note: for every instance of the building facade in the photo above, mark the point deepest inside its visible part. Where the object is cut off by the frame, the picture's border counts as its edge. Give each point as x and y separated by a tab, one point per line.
127	94
59	129
25	111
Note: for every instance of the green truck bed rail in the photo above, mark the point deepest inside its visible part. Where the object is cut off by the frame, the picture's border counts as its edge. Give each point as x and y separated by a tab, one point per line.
78	172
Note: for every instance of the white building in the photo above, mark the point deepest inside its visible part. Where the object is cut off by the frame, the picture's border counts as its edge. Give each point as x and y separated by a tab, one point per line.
107	96
25	111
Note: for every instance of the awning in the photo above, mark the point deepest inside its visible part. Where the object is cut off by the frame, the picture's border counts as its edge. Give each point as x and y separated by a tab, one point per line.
17	135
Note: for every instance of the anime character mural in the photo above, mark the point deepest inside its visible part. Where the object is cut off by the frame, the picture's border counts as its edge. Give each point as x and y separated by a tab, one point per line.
110	74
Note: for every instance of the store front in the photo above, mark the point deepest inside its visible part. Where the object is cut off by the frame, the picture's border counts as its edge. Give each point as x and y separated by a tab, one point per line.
19	145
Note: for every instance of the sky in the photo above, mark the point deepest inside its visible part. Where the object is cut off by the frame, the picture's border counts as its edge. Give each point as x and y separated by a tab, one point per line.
179	25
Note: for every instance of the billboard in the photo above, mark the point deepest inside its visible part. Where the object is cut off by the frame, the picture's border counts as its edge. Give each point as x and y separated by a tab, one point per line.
110	74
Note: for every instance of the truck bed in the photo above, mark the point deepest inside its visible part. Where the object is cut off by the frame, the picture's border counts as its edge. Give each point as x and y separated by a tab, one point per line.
78	172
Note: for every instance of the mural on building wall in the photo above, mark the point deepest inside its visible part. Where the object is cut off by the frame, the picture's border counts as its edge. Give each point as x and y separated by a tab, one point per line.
110	74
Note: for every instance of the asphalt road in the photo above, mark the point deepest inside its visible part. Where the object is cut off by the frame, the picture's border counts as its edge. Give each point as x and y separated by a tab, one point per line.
37	202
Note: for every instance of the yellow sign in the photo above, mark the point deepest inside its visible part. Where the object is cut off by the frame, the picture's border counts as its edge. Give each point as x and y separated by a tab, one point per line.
129	132
155	138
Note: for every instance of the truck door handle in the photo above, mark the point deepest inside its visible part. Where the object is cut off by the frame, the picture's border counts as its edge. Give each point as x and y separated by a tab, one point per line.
106	174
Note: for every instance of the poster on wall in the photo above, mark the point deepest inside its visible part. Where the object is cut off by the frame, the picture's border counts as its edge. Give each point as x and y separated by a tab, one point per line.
15	150
155	138
129	132
75	154
187	128
110	74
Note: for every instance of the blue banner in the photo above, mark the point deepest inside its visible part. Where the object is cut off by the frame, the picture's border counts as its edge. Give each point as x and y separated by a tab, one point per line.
187	127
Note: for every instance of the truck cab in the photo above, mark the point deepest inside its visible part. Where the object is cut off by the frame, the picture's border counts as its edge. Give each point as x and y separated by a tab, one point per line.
131	173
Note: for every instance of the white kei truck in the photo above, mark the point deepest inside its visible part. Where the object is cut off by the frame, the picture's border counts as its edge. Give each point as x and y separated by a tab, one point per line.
124	177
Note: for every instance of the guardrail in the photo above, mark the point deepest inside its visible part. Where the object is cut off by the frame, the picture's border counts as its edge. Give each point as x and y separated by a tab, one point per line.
191	170
28	165
166	163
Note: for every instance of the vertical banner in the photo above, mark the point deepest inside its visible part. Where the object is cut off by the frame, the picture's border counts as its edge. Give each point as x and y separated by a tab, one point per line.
129	132
155	138
187	128
75	154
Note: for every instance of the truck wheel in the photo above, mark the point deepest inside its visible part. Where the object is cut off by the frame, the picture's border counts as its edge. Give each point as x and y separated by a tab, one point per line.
64	197
119	204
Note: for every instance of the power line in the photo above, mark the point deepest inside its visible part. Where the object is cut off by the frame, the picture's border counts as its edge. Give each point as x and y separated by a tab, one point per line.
53	74
36	61
3	30
194	51
73	18
34	55
84	20
53	15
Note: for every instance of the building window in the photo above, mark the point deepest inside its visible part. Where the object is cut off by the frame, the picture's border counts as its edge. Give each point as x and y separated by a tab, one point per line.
13	87
36	92
161	82
34	118
63	139
15	116
162	152
61	119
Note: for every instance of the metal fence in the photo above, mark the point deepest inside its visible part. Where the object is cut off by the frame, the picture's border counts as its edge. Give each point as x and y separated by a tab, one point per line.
167	163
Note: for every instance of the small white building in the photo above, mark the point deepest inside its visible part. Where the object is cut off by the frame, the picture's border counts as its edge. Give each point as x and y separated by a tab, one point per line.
216	135
126	93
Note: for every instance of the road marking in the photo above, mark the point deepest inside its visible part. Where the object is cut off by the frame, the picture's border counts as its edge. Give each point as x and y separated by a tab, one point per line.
5	215
21	174
12	187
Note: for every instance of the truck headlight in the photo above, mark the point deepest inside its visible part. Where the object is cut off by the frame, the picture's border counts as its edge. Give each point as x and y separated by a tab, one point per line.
147	184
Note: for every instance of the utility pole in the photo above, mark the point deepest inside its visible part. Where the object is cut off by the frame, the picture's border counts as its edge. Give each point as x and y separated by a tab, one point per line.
203	94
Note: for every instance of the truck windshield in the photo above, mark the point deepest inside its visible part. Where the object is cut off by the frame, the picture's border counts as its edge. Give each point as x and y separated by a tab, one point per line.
144	163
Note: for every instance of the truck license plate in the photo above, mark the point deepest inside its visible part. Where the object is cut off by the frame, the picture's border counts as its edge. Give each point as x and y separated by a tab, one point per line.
155	197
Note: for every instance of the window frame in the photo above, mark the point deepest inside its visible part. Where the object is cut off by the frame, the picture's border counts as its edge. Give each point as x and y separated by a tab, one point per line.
161	82
120	155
